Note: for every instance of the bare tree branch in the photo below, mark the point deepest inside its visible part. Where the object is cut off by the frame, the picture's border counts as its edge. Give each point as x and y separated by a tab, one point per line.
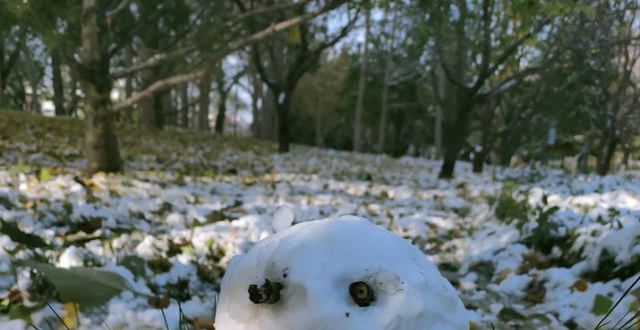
264	10
487	13
510	51
510	82
122	5
234	46
158	86
447	70
151	62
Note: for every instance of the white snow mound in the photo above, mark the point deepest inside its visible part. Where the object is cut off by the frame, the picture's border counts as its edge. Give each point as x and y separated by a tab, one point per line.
317	261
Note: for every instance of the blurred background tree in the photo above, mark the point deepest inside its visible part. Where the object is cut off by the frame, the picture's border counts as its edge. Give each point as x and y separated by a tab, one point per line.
488	81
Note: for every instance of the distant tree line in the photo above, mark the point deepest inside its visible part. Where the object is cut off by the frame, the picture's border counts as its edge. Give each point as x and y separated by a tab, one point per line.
481	80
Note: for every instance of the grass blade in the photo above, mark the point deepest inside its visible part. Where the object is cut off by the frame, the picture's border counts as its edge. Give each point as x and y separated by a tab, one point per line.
600	325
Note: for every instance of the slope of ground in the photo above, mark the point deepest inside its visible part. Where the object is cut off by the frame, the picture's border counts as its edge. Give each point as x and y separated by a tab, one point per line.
524	247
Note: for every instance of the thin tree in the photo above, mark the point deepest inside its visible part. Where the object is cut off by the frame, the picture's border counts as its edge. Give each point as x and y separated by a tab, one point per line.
288	58
102	150
385	85
362	82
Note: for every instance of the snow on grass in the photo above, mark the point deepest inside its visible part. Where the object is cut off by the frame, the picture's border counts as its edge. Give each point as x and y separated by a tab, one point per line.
529	247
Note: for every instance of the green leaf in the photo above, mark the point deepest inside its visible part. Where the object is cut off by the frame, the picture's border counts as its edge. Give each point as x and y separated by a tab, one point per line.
18	236
19	311
216	216
83	285
509	314
159	265
134	264
601	305
44	174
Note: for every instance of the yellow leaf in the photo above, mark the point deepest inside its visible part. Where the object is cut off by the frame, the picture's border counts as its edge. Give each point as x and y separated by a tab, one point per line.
71	315
294	34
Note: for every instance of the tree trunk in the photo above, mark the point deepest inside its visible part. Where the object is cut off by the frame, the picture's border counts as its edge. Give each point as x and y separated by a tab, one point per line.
102	150
385	104
127	114
505	157
626	153
449	163
604	161
478	160
357	123
184	111
257	104
3	79
455	134
385	89
283	123
148	114
167	112
222	101
73	93
203	102
318	121
222	112
159	109
269	117
3	95
58	87
506	149
397	123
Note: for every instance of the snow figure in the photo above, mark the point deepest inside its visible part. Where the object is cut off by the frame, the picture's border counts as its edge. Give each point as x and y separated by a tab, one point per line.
337	273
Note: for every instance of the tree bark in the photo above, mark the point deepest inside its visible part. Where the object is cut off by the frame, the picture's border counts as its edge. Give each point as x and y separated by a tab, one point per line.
102	150
257	102
168	111
203	101
147	114
456	133
3	79
3	95
127	115
318	121
357	123
478	160
626	153
222	110
58	87
160	109
283	122
184	111
222	100
606	155
6	66
385	89
505	156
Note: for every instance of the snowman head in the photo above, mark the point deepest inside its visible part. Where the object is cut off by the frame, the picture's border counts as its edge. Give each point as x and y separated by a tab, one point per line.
338	273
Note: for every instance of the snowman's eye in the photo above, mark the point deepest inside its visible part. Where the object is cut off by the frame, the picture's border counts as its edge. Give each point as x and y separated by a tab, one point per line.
361	293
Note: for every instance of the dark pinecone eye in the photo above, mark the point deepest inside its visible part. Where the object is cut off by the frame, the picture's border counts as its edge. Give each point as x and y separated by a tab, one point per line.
269	292
361	293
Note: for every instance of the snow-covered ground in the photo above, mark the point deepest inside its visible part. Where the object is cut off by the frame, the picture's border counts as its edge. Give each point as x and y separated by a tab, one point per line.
536	248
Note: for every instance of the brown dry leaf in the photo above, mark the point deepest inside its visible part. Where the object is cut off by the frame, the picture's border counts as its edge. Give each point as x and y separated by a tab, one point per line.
14	295
203	323
159	302
580	285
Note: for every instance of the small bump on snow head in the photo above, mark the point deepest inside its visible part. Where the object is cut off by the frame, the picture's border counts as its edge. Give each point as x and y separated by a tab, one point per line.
283	218
269	293
361	293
